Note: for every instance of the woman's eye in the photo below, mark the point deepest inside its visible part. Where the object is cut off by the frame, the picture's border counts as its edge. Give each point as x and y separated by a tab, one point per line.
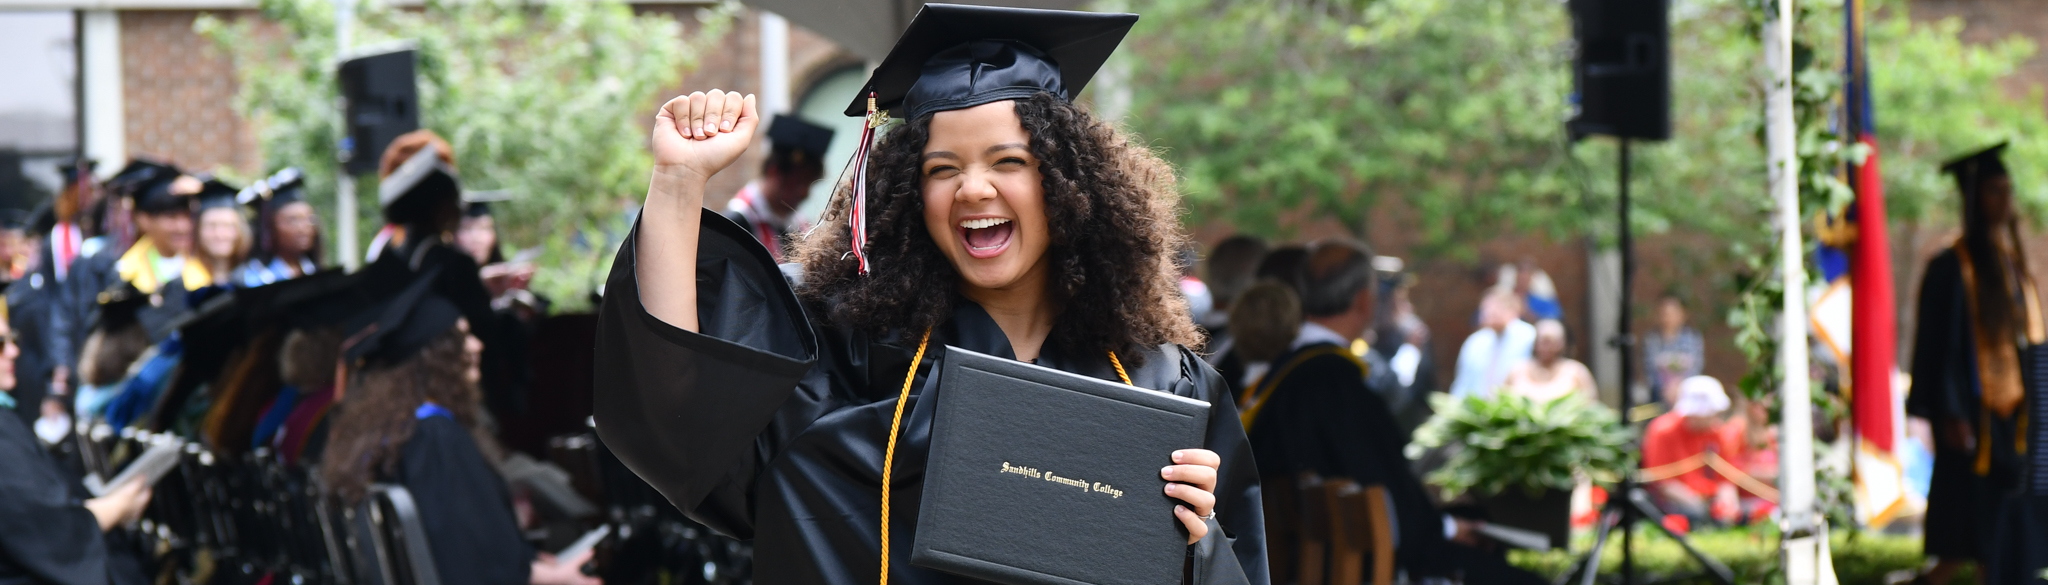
1012	161
940	172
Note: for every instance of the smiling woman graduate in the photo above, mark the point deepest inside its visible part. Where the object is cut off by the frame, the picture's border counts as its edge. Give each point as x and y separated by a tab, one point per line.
784	405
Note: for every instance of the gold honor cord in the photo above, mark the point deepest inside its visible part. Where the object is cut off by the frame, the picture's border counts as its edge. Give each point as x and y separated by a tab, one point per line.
896	426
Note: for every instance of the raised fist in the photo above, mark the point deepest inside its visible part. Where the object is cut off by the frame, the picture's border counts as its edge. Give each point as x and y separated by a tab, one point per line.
699	134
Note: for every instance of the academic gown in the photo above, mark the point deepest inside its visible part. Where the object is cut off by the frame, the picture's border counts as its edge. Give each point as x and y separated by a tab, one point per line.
1959	502
1322	417
1989	518
770	424
33	303
464	506
46	534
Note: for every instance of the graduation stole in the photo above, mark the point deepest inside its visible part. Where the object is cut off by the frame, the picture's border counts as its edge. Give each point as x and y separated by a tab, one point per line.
1262	390
896	425
1998	363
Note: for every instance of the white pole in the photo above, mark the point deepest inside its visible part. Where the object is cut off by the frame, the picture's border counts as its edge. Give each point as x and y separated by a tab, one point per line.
1804	546
775	95
105	118
345	183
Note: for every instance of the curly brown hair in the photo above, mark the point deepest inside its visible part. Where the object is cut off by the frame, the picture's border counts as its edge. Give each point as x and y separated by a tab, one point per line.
1111	208
377	414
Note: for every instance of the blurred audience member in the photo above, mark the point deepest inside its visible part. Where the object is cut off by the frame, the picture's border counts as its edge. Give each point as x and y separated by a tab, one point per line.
1228	272
1502	342
1400	341
1267	317
1533	286
1674	450
1551	375
1672	352
1284	265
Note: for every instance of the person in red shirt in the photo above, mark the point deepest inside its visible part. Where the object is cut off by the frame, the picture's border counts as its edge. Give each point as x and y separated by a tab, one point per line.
1691	429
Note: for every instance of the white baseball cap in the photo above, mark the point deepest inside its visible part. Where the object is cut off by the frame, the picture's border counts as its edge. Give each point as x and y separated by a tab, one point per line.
1700	396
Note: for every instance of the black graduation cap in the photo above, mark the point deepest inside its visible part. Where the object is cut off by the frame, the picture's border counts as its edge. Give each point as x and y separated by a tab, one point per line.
70	169
283	187
15	219
397	328
138	174
799	135
478	203
166	194
215	193
955	56
1973	168
421	178
122	304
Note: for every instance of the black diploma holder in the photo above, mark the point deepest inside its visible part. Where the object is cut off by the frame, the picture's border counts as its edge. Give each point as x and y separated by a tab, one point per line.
1038	476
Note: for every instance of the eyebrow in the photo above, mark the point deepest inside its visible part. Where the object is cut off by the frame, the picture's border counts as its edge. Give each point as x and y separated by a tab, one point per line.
991	150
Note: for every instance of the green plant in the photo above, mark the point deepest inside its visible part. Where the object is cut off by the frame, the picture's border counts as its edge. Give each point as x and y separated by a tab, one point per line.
1752	553
1512	441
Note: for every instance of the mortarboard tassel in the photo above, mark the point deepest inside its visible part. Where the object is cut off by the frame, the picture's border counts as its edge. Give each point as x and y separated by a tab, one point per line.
859	216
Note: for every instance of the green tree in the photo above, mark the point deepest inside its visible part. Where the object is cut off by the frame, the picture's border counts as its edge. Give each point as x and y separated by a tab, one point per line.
544	100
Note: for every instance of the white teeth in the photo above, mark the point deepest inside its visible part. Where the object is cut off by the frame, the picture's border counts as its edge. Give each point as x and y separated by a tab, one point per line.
984	223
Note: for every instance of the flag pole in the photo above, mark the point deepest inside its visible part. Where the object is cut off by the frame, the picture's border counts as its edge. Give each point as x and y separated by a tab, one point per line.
1803	548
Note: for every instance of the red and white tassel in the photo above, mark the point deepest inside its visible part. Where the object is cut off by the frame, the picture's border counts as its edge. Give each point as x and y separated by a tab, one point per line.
859	216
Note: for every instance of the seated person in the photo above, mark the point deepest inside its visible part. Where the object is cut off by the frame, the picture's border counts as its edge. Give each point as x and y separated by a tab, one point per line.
411	417
1674	440
1315	413
1549	375
49	533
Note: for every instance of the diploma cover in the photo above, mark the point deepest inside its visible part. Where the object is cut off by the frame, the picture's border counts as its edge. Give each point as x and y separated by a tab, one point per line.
1038	476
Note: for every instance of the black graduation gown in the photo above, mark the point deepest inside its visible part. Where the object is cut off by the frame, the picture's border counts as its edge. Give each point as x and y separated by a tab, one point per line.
32	312
1323	418
770	426
1945	388
464	505
46	534
83	283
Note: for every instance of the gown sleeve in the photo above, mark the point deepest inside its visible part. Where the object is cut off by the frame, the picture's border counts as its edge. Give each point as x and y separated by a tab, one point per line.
1235	549
464	507
46	534
695	414
1943	351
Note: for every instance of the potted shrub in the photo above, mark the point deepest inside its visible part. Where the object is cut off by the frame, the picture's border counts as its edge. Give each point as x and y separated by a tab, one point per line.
1522	458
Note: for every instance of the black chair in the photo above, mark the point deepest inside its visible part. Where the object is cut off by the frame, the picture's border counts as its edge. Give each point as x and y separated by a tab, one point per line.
387	541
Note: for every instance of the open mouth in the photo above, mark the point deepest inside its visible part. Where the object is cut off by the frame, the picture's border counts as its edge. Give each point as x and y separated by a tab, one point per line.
986	237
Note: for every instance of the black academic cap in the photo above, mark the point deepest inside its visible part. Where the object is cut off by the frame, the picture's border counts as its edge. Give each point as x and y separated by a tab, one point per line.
1972	168
214	193
285	186
478	203
954	57
421	177
122	304
164	193
138	174
70	170
397	328
800	135
15	219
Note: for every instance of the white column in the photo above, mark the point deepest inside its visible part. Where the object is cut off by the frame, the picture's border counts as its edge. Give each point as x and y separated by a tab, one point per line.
774	96
99	44
1603	290
1804	548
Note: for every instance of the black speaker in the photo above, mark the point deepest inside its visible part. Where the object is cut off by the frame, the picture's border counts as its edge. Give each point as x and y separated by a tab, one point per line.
380	102
1621	69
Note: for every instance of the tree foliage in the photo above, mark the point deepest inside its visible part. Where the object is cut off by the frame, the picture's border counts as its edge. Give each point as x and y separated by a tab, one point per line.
1325	108
544	100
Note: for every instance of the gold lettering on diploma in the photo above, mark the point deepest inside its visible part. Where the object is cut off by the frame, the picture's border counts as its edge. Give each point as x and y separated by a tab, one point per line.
1085	485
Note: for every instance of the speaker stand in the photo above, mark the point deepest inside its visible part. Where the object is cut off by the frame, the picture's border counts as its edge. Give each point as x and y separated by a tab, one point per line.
1628	503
